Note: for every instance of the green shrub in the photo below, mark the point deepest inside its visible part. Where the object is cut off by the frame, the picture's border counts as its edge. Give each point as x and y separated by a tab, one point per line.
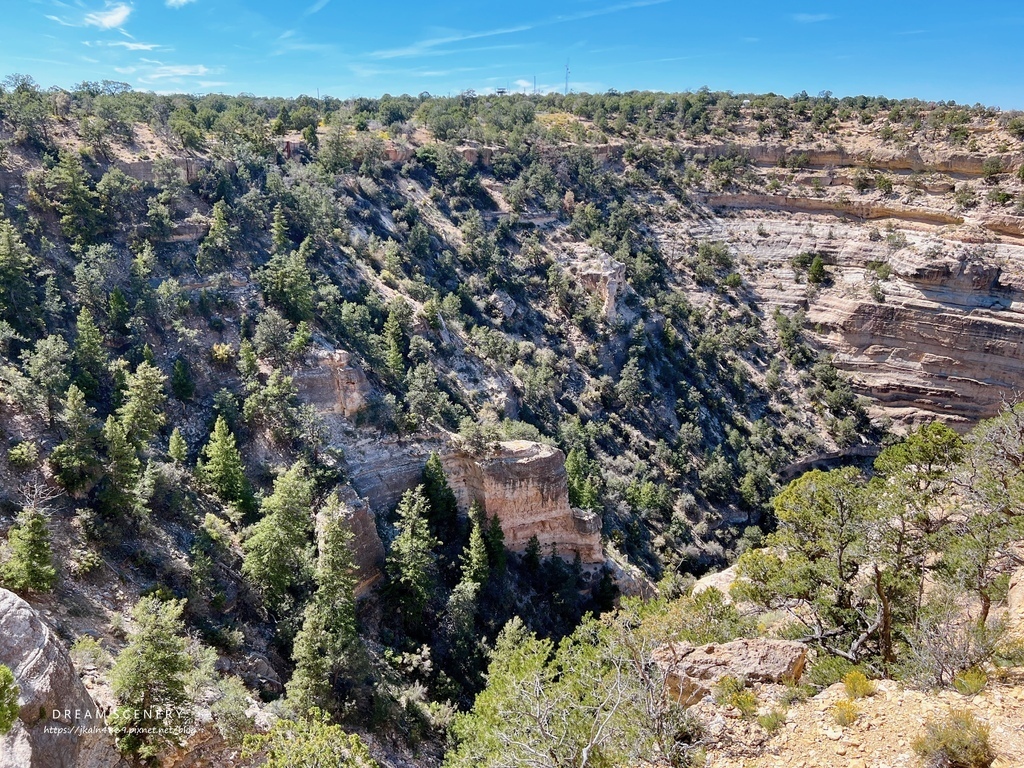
773	720
794	694
23	455
970	682
8	699
732	692
956	741
857	684
845	713
828	670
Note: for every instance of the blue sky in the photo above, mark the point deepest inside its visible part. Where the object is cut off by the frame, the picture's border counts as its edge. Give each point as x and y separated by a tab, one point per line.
932	50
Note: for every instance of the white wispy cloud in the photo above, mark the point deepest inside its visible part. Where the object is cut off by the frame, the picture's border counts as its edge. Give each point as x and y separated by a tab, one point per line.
127	45
112	17
811	18
179	70
177	3
316	7
423	47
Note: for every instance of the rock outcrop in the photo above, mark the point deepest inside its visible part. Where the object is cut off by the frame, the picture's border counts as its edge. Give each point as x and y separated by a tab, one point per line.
48	683
367	548
333	384
692	672
524	484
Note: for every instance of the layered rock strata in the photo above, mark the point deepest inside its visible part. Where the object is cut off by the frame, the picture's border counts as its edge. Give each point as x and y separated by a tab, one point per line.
59	725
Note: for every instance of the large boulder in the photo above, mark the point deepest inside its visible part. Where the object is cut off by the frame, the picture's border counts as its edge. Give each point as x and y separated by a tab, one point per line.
692	671
49	686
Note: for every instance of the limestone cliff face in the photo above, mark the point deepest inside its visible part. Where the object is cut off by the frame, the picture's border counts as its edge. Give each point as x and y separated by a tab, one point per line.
939	332
333	384
521	482
524	484
47	681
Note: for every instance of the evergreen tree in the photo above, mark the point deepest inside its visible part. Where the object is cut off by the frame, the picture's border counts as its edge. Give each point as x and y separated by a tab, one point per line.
182	385
18	304
411	564
89	354
73	197
141	412
287	283
395	337
444	509
277	547
279	232
475	560
46	366
9	692
308	742
327	648
222	468
583	491
76	461
494	539
122	470
177	448
216	246
30	567
149	679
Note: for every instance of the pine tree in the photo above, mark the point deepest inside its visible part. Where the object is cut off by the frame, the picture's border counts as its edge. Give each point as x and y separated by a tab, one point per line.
30	566
122	470
89	354
475	560
76	461
277	548
181	380
395	337
141	412
149	679
279	232
444	509
46	366
222	468
494	539
177	448
411	563
18	304
327	647
9	692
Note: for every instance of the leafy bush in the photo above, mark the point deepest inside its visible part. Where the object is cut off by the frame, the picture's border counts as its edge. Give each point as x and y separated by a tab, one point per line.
956	741
8	699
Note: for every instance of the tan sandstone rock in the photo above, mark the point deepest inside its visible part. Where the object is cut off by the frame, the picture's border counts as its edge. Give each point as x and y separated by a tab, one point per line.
691	672
333	384
48	681
524	484
1015	602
